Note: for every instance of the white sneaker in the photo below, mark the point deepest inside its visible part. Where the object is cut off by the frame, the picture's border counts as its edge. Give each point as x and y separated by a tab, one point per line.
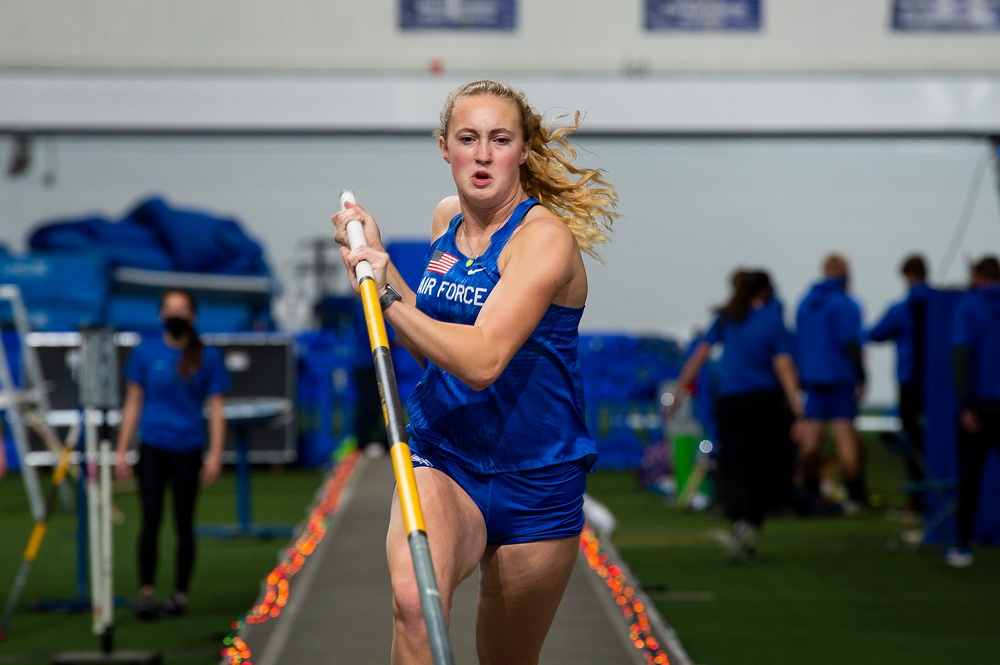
958	557
853	508
374	450
742	543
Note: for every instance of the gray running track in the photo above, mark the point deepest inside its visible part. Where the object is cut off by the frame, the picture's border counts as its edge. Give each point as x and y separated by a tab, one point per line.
339	608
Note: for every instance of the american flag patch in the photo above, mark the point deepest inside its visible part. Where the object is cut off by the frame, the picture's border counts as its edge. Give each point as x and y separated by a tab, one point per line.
441	262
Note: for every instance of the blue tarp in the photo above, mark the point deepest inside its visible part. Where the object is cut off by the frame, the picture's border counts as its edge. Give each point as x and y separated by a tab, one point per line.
156	236
68	278
124	243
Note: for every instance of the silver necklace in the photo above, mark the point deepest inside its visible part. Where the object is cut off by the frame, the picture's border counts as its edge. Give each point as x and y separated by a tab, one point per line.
468	244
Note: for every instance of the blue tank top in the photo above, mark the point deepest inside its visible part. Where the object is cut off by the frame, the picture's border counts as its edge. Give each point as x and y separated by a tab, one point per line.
532	416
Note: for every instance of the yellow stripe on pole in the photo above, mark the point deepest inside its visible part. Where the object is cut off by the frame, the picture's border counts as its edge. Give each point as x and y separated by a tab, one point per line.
373	314
406	484
62	466
35	542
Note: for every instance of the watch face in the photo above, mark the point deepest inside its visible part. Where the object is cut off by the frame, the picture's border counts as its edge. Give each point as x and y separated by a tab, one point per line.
390	296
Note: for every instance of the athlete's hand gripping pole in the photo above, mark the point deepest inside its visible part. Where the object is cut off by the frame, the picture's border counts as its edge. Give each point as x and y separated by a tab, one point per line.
406	485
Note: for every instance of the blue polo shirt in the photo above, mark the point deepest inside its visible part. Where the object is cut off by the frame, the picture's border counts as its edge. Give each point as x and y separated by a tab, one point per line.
749	349
172	407
897	325
827	321
977	326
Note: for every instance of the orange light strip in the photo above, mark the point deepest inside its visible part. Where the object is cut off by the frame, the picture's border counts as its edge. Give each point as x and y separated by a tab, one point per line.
236	651
640	632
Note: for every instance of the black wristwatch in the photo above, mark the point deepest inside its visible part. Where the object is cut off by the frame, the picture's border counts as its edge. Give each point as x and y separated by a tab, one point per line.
390	296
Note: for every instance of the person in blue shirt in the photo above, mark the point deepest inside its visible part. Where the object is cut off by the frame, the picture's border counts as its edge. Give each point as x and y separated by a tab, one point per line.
171	379
497	432
975	344
904	323
831	368
758	401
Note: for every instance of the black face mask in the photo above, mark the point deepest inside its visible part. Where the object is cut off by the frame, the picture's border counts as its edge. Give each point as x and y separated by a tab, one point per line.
177	327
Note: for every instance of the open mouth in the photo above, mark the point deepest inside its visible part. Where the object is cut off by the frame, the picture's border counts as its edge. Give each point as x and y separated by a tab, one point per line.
481	178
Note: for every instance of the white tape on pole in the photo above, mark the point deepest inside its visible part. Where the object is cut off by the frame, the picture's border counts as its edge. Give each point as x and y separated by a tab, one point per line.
356	235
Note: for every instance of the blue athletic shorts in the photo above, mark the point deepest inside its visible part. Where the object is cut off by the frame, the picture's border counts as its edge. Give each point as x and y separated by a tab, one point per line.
831	402
521	506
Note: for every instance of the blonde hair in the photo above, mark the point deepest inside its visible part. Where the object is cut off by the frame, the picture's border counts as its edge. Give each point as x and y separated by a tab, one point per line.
582	198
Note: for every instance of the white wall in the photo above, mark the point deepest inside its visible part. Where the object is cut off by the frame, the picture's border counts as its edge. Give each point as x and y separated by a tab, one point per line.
589	36
113	102
692	209
158	84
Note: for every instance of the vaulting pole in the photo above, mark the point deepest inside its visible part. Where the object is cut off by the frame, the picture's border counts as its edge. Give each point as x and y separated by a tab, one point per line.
402	465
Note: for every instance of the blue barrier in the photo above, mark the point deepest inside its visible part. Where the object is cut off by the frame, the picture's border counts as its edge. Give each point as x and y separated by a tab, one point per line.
941	438
409	257
12	347
326	394
58	280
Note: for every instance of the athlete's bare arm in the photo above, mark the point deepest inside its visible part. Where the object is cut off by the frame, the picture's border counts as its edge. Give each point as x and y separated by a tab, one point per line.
540	265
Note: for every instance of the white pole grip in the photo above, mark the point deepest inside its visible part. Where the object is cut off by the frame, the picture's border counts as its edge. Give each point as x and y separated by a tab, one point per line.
356	235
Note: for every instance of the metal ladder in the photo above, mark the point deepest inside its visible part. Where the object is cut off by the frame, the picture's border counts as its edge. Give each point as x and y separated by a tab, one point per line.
28	406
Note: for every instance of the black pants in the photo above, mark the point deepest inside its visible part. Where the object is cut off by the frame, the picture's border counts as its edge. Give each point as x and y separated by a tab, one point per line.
911	415
369	423
972	452
155	469
753	453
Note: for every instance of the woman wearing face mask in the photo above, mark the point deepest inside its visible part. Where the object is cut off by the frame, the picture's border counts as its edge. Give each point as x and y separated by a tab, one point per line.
170	379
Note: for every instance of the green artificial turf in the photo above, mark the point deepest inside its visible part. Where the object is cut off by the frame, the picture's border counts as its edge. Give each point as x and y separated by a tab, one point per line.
227	578
825	591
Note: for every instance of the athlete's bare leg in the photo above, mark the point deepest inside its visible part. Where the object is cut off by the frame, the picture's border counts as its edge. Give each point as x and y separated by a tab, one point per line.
811	431
456	534
520	588
848	447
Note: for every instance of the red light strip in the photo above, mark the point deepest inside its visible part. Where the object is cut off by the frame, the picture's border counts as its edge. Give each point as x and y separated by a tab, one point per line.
277	589
633	609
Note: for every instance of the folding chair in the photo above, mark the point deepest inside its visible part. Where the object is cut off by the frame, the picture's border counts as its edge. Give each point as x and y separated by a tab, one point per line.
940	494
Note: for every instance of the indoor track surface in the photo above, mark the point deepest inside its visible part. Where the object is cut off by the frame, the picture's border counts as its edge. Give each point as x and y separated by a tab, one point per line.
339	606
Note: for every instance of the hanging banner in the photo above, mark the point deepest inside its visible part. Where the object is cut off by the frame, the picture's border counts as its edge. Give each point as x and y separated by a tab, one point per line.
707	15
457	14
946	15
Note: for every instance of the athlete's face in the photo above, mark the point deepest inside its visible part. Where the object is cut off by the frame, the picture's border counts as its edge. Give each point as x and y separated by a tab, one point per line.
176	305
485	147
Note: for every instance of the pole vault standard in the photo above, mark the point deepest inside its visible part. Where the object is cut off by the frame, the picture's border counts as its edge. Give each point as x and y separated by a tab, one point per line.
402	465
99	394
